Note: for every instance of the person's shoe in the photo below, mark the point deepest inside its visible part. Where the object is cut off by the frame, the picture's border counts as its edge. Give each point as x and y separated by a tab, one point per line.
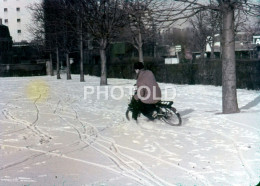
154	114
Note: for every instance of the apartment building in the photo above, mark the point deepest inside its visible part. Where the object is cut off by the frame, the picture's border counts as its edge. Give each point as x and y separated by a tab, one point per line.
16	15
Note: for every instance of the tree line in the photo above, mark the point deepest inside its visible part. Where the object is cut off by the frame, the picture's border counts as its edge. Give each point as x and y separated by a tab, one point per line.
66	25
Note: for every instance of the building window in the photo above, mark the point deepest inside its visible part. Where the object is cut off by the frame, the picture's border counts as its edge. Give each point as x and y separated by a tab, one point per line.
18	20
19	31
6	20
5	9
18	9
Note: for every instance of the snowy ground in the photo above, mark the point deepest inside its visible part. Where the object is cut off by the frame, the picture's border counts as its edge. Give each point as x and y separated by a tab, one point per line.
51	135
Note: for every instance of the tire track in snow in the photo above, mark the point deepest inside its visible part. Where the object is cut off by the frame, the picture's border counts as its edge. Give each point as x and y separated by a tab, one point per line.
37	111
107	140
195	175
114	155
247	168
79	133
20	162
28	125
30	157
183	169
78	160
253	128
148	177
32	126
121	163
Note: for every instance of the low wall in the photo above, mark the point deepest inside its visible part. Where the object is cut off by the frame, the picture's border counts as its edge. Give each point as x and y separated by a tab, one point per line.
9	70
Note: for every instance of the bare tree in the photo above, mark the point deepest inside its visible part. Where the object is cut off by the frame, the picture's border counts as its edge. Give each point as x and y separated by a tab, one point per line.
46	28
213	21
137	24
142	24
206	25
81	51
55	27
201	31
104	20
37	29
249	30
77	9
70	32
227	9
54	33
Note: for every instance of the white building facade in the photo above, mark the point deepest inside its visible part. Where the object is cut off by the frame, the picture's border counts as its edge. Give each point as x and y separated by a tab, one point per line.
16	15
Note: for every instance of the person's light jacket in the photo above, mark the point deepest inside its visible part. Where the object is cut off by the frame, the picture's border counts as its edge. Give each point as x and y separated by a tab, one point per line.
148	90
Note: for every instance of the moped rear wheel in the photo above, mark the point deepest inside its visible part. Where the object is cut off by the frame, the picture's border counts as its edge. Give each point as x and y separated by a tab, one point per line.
172	117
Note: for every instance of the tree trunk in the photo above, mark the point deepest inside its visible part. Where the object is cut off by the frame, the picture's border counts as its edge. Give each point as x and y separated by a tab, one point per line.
103	78
229	93
51	66
212	54
154	50
202	54
140	47
68	66
58	63
140	52
81	55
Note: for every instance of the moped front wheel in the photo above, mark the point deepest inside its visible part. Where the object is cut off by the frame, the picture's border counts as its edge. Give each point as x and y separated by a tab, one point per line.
172	117
128	114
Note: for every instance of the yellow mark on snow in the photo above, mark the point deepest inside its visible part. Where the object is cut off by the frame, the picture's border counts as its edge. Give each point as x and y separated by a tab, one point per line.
37	89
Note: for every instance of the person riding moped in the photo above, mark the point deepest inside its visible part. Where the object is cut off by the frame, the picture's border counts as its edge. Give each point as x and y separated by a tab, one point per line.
148	93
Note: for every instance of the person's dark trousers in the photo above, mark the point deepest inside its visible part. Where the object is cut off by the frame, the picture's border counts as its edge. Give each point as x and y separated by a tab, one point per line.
140	107
147	110
136	105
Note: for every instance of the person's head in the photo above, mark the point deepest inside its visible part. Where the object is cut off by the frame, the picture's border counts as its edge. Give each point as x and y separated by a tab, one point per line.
138	66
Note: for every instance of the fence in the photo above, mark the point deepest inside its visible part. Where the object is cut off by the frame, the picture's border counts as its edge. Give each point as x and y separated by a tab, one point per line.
207	73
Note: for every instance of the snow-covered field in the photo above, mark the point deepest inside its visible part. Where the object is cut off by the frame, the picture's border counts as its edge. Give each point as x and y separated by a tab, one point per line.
51	135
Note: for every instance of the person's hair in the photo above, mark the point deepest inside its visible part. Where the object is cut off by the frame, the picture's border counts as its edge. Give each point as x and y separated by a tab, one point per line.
138	65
